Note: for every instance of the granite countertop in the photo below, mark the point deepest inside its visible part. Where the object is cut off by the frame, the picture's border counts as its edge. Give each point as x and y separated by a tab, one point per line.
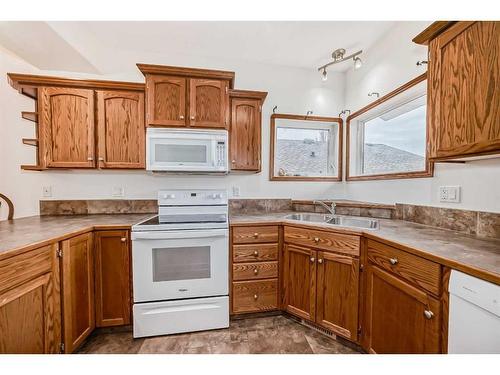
477	256
35	231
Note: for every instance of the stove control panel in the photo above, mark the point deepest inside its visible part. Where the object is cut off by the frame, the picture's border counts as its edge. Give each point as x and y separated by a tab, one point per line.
205	197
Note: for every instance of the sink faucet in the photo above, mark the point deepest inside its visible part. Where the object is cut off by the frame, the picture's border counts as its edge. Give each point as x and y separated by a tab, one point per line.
330	209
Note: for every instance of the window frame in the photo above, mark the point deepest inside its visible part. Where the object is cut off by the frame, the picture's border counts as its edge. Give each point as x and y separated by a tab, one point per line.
313	119
429	165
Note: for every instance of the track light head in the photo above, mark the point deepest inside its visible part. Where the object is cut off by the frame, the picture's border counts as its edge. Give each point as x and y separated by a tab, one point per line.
324	75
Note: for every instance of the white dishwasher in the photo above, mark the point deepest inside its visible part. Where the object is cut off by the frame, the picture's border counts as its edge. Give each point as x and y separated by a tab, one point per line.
474	316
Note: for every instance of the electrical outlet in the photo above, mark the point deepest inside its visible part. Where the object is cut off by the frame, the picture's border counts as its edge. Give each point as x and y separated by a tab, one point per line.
236	191
118	191
47	191
450	194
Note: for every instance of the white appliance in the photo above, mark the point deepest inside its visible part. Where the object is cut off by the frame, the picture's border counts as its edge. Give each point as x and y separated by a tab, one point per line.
191	151
474	316
180	264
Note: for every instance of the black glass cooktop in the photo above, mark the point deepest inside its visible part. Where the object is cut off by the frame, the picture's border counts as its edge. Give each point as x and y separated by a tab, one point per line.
186	219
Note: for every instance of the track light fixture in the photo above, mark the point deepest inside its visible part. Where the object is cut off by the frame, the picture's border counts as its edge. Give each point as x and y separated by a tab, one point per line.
338	56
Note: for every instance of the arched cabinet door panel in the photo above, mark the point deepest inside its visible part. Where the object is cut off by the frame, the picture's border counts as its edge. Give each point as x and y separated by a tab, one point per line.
166	100
245	134
121	130
208	103
67	127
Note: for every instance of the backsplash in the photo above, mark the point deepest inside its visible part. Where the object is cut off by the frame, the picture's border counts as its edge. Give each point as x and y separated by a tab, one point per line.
347	207
98	206
253	206
483	224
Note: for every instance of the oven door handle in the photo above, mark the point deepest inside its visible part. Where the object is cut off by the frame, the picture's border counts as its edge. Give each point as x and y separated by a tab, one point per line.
168	235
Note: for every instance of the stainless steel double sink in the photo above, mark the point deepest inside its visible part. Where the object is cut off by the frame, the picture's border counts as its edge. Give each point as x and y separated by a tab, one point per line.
336	220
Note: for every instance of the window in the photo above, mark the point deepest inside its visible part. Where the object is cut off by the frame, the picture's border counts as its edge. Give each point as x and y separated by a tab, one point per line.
387	139
305	148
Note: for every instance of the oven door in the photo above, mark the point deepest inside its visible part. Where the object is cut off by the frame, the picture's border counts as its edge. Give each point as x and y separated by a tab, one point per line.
180	264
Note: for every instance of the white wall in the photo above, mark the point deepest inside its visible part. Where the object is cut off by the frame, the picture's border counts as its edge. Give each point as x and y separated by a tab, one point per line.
292	90
388	64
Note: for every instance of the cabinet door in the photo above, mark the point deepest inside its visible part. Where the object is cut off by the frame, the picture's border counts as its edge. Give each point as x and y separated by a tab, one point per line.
112	278
300	281
338	286
245	134
120	123
464	100
399	318
67	127
166	100
208	103
78	290
30	311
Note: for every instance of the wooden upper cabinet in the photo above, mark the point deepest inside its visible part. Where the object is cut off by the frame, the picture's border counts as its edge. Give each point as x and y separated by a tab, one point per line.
67	127
464	100
299	281
399	318
208	103
112	278
121	131
77	290
30	309
166	100
245	130
337	294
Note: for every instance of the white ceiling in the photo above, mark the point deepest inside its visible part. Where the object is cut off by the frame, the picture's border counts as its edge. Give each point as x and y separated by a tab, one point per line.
90	47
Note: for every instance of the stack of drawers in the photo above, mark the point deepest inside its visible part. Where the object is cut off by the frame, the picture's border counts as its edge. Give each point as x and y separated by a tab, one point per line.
254	269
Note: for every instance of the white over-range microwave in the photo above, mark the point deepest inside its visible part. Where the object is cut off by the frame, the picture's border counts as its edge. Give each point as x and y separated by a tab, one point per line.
191	151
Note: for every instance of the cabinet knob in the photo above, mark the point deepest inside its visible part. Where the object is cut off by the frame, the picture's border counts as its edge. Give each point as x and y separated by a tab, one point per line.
101	158
256	253
316	239
192	117
428	314
255	235
181	117
123	239
312	259
90	158
394	261
233	161
320	261
255	296
256	271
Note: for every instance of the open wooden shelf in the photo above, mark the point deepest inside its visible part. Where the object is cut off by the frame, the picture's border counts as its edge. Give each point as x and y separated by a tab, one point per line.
31	116
30	141
30	92
32	168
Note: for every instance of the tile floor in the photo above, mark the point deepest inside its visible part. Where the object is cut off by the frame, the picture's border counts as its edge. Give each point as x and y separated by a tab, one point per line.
271	335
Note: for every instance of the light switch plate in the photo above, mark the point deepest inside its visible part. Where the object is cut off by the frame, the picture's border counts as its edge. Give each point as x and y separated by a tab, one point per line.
118	191
47	191
450	194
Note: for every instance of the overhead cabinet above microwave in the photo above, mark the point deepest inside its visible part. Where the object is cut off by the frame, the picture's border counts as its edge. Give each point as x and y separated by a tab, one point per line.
186	97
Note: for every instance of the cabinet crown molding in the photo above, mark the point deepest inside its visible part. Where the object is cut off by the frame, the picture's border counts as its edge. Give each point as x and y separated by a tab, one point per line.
247	94
187	72
18	81
432	31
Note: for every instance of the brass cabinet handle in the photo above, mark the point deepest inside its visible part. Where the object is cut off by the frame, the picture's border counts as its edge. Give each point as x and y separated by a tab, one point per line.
101	158
181	117
312	259
256	253
393	261
192	117
255	296
320	261
90	158
256	271
428	314
316	239
233	161
123	239
256	235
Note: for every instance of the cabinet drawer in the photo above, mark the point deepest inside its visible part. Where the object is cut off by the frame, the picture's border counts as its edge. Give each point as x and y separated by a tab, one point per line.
341	243
251	271
251	296
415	269
255	234
250	253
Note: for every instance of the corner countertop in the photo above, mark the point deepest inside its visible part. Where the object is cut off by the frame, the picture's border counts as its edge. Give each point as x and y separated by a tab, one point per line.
476	256
28	233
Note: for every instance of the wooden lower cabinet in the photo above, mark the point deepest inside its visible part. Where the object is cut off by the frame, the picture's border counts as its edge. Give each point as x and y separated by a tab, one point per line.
30	312
112	278
299	281
337	294
399	317
77	290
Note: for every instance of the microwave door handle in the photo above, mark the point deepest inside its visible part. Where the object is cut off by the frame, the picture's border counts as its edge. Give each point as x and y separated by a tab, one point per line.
165	235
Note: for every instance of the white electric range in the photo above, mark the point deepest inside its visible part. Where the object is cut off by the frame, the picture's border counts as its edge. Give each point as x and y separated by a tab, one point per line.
180	264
